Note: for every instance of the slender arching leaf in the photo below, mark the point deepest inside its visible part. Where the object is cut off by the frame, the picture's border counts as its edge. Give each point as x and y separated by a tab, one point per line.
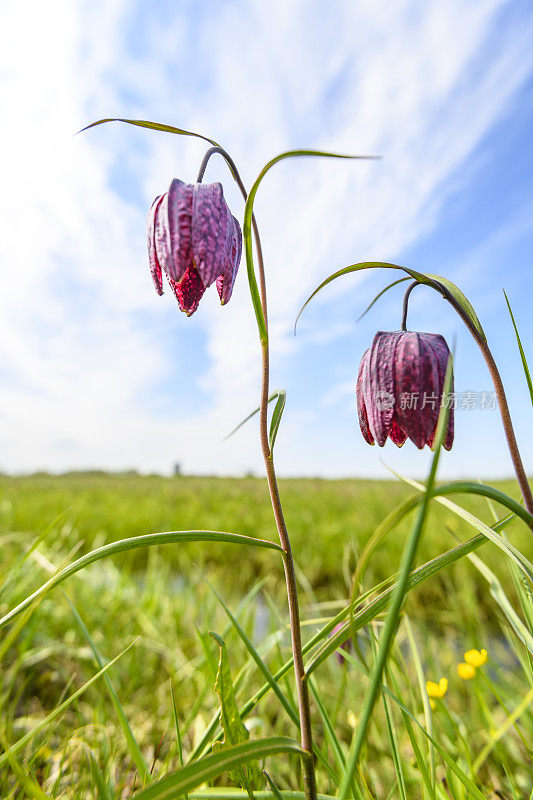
494	494
472	487
148	540
525	365
380	294
442	285
460	298
273	396
247	226
154	126
209	767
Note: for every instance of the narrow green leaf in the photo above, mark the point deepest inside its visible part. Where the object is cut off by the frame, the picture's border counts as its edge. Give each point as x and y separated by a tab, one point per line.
247	227
291	711
442	285
384	527
522	353
490	492
276	418
380	603
393	739
496	735
455	768
330	731
424	771
231	793
133	746
254	412
209	767
232	725
176	724
34	545
122	545
31	787
22	742
98	778
424	697
154	126
275	791
380	294
461	487
497	592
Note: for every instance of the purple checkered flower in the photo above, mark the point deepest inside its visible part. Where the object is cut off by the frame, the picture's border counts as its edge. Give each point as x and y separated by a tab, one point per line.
194	238
399	388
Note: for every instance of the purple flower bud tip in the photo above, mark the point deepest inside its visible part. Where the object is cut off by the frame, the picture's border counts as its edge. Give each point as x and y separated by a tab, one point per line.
194	238
399	388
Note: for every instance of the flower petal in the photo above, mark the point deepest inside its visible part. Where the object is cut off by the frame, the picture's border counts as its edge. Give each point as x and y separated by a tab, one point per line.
155	267
397	435
226	281
379	390
173	229
362	377
189	290
212	230
417	388
442	353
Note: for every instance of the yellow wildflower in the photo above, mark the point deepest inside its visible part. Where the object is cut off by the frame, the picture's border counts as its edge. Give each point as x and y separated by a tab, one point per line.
437	689
466	671
476	657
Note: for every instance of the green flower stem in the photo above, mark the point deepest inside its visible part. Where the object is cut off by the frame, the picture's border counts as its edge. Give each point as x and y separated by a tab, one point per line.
260	306
505	414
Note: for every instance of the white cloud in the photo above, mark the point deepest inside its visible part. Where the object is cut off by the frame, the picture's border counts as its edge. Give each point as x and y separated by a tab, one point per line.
80	330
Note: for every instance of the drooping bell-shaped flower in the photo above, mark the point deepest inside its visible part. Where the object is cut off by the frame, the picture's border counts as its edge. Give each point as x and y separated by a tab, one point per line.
399	388
194	238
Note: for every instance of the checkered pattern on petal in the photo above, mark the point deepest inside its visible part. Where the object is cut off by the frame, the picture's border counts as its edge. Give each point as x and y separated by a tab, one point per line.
155	267
212	231
226	281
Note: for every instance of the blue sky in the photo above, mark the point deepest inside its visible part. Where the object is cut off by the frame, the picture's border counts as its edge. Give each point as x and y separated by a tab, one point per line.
97	371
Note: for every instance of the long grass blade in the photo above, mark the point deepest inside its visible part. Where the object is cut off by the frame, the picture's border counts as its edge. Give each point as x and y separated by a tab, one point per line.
131	741
22	742
502	730
122	545
209	767
380	294
273	396
521	349
462	487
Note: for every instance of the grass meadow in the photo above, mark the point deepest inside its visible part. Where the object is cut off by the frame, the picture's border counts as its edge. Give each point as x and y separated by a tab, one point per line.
156	708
